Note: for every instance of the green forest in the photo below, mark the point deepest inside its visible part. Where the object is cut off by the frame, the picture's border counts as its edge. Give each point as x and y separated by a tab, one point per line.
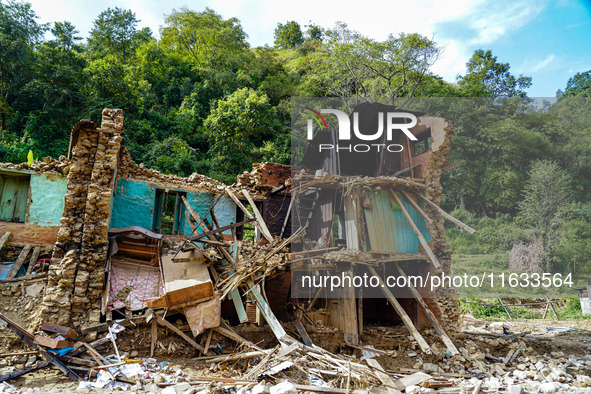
199	98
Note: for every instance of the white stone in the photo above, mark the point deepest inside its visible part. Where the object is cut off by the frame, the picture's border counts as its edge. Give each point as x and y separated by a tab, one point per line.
520	375
412	390
549	387
515	389
260	389
284	387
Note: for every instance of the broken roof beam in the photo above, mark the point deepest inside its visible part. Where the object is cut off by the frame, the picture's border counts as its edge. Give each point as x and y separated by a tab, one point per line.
431	316
416	206
416	230
447	215
197	238
402	313
259	219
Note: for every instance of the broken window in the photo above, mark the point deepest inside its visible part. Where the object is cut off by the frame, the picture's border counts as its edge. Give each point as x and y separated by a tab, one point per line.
14	196
423	144
169	213
247	232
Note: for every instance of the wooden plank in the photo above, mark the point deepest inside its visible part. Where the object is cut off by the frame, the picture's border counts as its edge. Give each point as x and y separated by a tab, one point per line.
33	259
229	333
416	230
402	313
383	376
154	337
208	233
447	215
350	326
266	234
208	341
5	238
165	323
431	316
235	294
412	380
19	262
552	306
416	206
23	371
56	328
263	226
265	310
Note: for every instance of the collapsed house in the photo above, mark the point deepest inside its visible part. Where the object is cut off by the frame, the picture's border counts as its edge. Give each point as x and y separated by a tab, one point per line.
126	241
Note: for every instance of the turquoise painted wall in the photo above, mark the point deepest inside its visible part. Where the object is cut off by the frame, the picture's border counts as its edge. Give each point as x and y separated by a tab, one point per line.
47	199
225	209
133	205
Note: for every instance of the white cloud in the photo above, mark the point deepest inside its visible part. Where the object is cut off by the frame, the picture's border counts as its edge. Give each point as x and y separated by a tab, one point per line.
540	65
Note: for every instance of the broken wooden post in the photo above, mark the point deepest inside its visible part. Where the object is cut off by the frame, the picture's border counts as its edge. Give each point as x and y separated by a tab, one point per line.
259	217
430	315
447	215
383	376
351	325
266	234
416	230
33	260
262	306
402	313
416	206
4	239
19	262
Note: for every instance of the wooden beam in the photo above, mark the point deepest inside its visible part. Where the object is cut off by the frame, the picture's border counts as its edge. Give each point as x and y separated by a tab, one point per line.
33	259
402	313
153	336
19	262
447	215
383	376
208	233
416	206
262	225
248	214
262	305
351	326
235	294
431	316
4	239
229	333
416	230
505	307
165	323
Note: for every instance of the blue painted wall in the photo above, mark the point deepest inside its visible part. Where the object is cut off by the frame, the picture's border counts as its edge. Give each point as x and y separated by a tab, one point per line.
47	199
133	205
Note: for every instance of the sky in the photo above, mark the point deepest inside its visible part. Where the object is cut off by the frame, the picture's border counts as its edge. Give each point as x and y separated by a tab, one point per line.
548	40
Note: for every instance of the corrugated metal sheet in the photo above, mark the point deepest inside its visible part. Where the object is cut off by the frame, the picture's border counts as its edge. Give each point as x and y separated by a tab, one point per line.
387	228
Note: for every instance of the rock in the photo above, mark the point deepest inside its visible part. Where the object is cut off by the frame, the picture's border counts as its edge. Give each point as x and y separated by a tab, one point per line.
30	361
284	387
412	390
520	375
515	389
34	289
549	387
260	388
430	368
158	379
181	388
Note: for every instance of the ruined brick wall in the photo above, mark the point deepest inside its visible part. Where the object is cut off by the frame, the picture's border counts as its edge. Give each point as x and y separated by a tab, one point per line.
75	281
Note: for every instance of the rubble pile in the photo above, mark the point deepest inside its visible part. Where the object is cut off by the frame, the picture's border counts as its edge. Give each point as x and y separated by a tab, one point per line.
60	166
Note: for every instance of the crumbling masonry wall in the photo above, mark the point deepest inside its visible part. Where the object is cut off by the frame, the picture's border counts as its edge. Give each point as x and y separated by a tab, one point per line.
445	298
76	273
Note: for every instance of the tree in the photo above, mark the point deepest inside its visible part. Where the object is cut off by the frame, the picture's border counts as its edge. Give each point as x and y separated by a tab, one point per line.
486	77
546	191
288	36
314	32
236	127
65	35
579	85
20	34
210	42
114	33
